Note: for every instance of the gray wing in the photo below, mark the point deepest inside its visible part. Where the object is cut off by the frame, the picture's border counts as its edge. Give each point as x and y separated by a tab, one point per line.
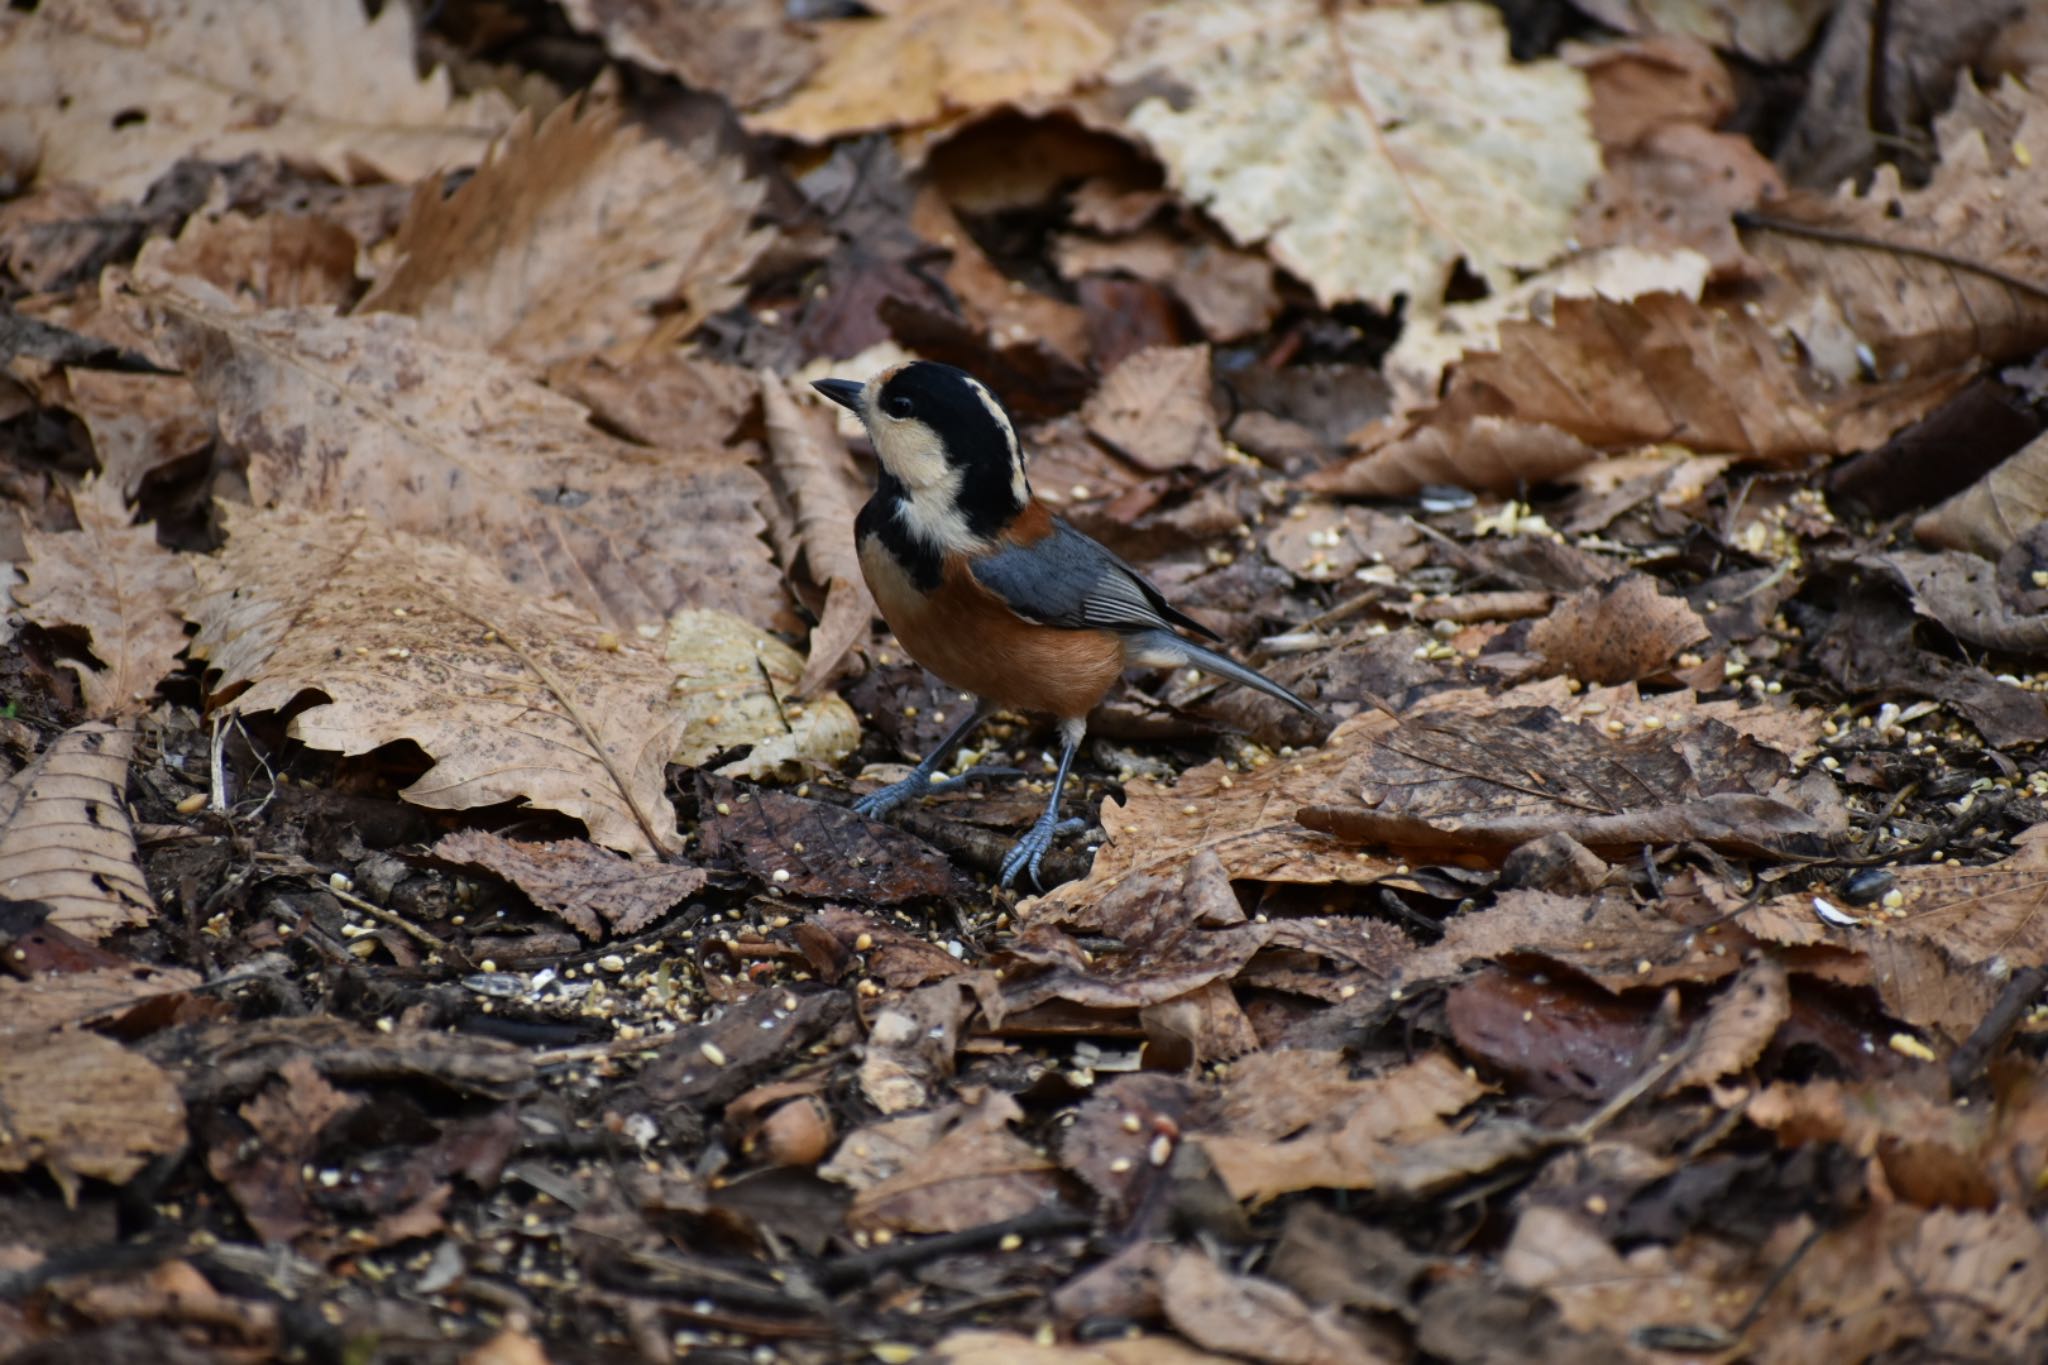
1071	581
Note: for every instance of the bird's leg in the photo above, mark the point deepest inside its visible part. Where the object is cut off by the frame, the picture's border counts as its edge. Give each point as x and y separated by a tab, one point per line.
1031	849
877	803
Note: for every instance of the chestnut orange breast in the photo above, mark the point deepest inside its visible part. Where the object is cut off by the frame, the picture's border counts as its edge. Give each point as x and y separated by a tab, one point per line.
970	638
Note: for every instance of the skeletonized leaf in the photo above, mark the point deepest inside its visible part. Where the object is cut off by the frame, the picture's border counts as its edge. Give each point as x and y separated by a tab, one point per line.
347	414
116	94
569	236
514	698
1370	148
65	836
123	589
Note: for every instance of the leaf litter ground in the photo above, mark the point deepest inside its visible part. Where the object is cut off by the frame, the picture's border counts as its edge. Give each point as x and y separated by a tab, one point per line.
434	925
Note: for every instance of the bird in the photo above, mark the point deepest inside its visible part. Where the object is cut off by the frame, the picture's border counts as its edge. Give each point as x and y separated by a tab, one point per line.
994	594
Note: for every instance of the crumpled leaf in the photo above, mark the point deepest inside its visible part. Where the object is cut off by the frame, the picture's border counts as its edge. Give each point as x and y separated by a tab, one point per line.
362	414
736	686
65	835
943	1170
1739	1026
1963	593
585	885
1993	513
1620	631
576	236
745	50
1371	148
1767	31
123	589
314	81
1255	1318
924	58
803	444
515	698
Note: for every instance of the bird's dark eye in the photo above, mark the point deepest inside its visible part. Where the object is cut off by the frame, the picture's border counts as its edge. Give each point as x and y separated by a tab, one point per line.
896	405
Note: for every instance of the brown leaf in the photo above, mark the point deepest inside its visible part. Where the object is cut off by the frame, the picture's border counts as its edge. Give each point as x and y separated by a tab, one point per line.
735	688
1738	1027
1931	1152
1256	1318
1901	1281
514	698
580	235
925	58
65	835
278	260
1154	409
1457	785
360	414
1552	1036
1606	937
210	80
1618	632
1906	315
1351	1146
803	445
57	999
1993	513
1560	1254
83	1105
1964	594
978	1347
585	885
1599	374
746	50
1230	292
944	1171
811	849
126	592
911	1041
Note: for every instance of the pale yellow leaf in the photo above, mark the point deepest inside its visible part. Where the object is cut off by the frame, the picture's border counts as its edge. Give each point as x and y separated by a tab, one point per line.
1371	148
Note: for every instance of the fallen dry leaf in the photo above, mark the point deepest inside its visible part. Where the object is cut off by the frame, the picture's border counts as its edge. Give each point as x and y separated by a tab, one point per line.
581	235
361	414
115	582
1993	513
1900	1280
65	836
943	1171
749	51
1011	1348
1349	1147
116	94
1255	1318
1350	139
1597	1289
1600	374
804	444
926	58
1763	30
515	698
735	687
1905	316
1230	292
1966	595
1739	1025
278	260
1623	630
592	889
83	1106
1454	788
1154	409
808	848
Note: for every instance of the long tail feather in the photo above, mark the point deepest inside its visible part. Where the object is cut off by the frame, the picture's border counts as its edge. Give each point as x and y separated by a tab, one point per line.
1161	647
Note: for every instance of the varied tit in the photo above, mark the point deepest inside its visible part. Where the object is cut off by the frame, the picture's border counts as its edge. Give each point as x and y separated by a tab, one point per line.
991	592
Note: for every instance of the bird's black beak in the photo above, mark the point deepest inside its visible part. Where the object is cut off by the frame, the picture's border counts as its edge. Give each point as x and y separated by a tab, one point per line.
844	392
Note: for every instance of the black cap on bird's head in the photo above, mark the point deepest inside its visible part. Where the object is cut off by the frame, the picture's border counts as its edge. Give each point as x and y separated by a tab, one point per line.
946	441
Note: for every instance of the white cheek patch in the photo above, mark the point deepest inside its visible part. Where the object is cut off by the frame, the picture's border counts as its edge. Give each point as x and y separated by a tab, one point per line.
912	452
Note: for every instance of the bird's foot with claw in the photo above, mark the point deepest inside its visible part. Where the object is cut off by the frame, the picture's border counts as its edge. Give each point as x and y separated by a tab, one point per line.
1036	843
883	800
